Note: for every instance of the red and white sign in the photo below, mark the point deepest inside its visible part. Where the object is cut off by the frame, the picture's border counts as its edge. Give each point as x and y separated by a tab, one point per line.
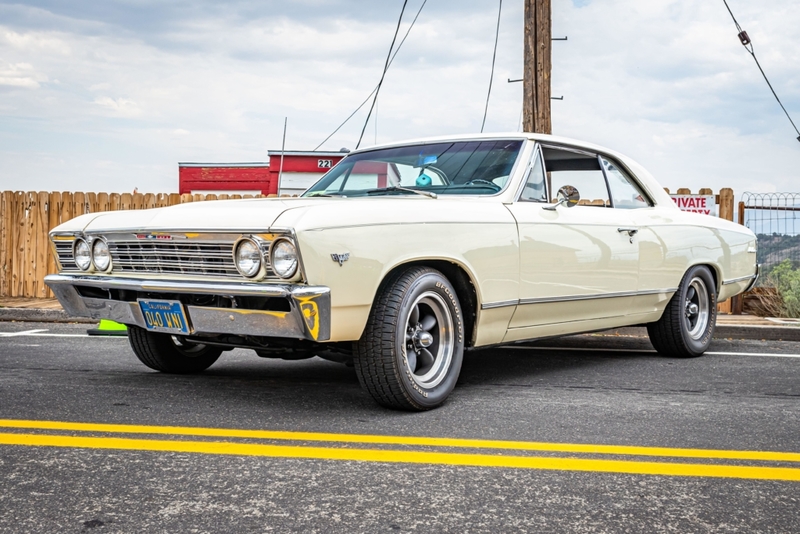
696	203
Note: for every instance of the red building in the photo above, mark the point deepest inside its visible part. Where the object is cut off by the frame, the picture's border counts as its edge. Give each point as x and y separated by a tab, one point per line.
287	173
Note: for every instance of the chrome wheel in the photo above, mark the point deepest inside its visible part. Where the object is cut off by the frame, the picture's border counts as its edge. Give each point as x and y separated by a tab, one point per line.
429	340
697	309
410	354
686	327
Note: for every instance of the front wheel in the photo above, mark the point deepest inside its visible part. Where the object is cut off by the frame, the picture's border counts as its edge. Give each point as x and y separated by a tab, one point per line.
687	325
170	354
409	356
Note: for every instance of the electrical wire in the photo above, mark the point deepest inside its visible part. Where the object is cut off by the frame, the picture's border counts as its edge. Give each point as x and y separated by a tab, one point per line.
748	45
376	87
383	75
494	56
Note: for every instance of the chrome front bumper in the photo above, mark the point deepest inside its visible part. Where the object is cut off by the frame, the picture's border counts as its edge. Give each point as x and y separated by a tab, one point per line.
309	316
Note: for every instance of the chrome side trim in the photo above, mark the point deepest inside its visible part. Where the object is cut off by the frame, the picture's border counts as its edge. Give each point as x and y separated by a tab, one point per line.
741	278
309	316
499	304
620	294
570	298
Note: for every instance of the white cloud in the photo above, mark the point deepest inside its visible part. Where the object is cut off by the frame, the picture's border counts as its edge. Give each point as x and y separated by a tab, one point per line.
35	42
145	85
121	107
21	75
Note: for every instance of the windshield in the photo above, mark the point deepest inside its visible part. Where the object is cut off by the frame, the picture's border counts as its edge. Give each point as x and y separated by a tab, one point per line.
451	168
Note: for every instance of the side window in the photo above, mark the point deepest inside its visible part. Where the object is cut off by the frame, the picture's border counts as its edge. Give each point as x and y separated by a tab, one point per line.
625	192
579	170
534	185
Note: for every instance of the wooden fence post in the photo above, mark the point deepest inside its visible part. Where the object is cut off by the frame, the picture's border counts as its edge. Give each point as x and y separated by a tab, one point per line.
726	203
6	247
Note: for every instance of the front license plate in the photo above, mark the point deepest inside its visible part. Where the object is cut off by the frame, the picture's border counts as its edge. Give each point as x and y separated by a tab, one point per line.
164	316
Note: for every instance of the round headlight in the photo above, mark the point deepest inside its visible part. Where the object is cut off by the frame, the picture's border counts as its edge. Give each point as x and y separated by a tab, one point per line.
248	258
100	255
284	258
82	254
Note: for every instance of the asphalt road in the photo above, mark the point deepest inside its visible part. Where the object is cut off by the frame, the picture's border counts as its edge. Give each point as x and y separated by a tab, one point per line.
607	437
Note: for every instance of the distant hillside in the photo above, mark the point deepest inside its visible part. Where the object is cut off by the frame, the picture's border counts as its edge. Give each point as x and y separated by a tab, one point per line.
773	249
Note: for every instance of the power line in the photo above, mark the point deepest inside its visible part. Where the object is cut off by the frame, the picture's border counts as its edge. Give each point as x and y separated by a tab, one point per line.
748	45
383	75
494	56
376	87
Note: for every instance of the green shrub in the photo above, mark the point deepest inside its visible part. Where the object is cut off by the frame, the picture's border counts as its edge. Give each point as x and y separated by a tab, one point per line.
787	280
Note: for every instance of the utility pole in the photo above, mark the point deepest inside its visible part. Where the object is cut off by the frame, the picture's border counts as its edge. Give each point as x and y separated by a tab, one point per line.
536	81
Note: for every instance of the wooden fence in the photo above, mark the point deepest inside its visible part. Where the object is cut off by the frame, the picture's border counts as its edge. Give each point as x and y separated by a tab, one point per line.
26	218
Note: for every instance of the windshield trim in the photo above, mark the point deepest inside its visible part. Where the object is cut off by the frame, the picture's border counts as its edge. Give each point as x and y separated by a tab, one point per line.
524	140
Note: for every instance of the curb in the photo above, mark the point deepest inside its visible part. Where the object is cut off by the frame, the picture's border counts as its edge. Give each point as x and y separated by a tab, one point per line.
36	315
725	331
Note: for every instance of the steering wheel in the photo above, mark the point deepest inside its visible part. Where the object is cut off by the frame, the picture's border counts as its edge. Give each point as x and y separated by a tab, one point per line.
481	181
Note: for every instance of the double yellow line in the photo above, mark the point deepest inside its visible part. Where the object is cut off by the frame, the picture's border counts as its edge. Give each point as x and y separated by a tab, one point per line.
492	456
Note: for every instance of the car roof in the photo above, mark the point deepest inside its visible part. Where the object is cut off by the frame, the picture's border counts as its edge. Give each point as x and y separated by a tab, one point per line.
653	187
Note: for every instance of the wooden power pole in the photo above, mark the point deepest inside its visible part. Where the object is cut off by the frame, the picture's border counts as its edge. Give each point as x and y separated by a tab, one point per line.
536	79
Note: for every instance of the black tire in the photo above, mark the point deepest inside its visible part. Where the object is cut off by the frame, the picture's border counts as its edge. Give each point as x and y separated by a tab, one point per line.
410	354
687	325
168	354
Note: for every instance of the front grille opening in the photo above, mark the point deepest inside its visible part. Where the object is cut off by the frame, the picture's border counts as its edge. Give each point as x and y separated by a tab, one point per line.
264	304
93	292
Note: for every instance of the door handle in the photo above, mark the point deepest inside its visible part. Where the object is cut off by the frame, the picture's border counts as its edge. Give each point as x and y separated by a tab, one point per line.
630	231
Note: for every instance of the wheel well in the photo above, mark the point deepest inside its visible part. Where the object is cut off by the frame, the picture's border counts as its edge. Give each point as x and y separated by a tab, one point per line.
462	283
714	274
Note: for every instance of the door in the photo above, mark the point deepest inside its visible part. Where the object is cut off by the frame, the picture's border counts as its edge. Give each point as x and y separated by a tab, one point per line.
577	264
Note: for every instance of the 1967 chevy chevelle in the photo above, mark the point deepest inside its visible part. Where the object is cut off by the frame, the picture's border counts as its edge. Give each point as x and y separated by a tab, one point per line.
404	256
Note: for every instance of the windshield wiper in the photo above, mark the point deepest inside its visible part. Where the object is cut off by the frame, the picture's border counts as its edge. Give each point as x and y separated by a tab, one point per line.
428	194
323	194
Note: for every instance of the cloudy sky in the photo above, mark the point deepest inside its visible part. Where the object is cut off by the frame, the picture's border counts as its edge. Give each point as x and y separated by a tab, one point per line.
108	96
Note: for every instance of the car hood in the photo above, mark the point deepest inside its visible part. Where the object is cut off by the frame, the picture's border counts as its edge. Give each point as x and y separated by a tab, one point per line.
299	213
216	215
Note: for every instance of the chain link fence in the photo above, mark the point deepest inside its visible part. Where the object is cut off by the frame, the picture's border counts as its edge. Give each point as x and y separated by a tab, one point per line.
775	219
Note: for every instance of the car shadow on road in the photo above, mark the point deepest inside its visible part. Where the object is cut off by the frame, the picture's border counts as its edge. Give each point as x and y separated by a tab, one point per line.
559	359
250	390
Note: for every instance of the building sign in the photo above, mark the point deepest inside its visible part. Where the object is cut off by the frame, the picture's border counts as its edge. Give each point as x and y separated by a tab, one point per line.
696	203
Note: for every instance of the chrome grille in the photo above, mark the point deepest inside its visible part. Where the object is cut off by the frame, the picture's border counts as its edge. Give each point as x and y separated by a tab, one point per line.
197	258
206	255
65	254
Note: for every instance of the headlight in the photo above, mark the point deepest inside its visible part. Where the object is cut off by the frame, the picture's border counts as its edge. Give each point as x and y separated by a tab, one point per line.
284	258
82	254
248	258
100	255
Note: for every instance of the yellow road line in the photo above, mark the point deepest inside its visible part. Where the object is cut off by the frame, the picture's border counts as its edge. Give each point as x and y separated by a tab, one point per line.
413	457
620	450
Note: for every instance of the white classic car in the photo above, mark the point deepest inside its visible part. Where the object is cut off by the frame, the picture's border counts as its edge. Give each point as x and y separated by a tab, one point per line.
405	255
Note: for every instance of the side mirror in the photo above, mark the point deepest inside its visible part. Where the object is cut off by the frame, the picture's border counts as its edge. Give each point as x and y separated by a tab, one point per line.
567	196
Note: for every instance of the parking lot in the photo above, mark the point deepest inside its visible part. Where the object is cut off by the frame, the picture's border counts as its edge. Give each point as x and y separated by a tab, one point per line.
590	433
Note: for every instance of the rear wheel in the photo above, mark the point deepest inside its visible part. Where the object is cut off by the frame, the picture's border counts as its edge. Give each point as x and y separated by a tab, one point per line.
170	354
409	356
687	325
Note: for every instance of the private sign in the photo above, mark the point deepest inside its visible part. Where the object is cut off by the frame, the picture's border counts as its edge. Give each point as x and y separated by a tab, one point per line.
696	203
